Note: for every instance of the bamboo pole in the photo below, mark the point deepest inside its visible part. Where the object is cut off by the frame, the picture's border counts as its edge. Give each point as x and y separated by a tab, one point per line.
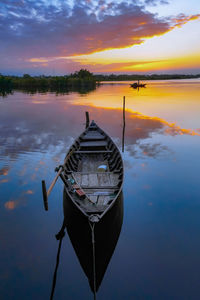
87	119
124	123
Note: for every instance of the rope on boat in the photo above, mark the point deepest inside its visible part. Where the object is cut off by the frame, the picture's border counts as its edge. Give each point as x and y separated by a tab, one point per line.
92	225
59	236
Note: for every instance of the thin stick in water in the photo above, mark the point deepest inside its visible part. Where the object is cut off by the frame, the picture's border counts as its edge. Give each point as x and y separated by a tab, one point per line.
124	123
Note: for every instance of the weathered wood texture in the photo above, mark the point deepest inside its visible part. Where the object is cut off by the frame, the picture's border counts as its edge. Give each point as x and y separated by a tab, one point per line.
98	186
101	179
94	149
92	136
91	144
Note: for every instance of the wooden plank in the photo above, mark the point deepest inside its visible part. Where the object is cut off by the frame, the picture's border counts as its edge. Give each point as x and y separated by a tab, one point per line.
79	173
100	193
103	179
113	179
86	187
93	135
93	180
95	208
103	200
84	180
93	144
89	207
106	200
93	198
93	152
91	164
77	177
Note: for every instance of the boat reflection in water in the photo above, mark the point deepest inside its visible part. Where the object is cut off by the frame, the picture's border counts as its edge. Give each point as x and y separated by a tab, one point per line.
106	234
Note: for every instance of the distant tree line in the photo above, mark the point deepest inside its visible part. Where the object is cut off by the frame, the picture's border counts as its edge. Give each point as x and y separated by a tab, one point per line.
123	77
5	85
5	82
81	80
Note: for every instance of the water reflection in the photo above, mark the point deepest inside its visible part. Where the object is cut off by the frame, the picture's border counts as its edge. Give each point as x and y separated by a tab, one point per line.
5	92
42	127
159	241
106	232
82	90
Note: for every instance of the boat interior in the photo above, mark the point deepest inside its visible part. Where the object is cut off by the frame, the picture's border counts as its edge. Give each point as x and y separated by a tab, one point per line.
94	170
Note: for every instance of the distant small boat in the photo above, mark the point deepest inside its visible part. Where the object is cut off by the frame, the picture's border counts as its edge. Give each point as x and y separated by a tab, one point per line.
136	85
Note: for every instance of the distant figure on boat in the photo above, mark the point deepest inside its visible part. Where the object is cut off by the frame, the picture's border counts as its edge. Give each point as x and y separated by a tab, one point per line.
136	85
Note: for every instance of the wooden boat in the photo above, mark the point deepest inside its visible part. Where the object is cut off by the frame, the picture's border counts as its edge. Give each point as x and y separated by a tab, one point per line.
107	232
136	85
93	173
93	176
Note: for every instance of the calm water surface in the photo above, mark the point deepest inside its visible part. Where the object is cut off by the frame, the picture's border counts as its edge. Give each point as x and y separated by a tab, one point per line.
158	252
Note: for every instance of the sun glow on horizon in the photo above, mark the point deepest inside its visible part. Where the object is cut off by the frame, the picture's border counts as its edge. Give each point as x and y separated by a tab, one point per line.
155	54
158	53
121	36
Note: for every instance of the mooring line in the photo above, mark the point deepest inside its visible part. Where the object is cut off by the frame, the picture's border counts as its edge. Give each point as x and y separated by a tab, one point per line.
92	225
59	236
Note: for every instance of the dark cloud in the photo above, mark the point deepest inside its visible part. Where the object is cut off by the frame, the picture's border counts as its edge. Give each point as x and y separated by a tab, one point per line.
53	29
156	2
153	150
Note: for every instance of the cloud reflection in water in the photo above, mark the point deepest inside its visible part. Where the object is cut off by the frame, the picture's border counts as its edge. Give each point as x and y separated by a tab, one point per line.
25	130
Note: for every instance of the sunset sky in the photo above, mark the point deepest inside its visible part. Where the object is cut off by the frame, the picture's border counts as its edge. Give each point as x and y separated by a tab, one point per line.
57	37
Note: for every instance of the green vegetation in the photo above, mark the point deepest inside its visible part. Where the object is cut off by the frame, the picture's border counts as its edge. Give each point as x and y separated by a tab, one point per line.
5	85
82	81
5	82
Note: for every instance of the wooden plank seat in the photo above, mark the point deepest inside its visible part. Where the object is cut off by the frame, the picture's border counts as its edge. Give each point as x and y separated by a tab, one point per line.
92	152
93	208
114	172
93	135
86	187
93	143
98	187
96	180
95	172
94	202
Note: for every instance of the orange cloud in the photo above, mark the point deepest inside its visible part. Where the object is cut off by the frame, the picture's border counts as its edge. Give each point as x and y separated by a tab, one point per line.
38	60
182	19
133	30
